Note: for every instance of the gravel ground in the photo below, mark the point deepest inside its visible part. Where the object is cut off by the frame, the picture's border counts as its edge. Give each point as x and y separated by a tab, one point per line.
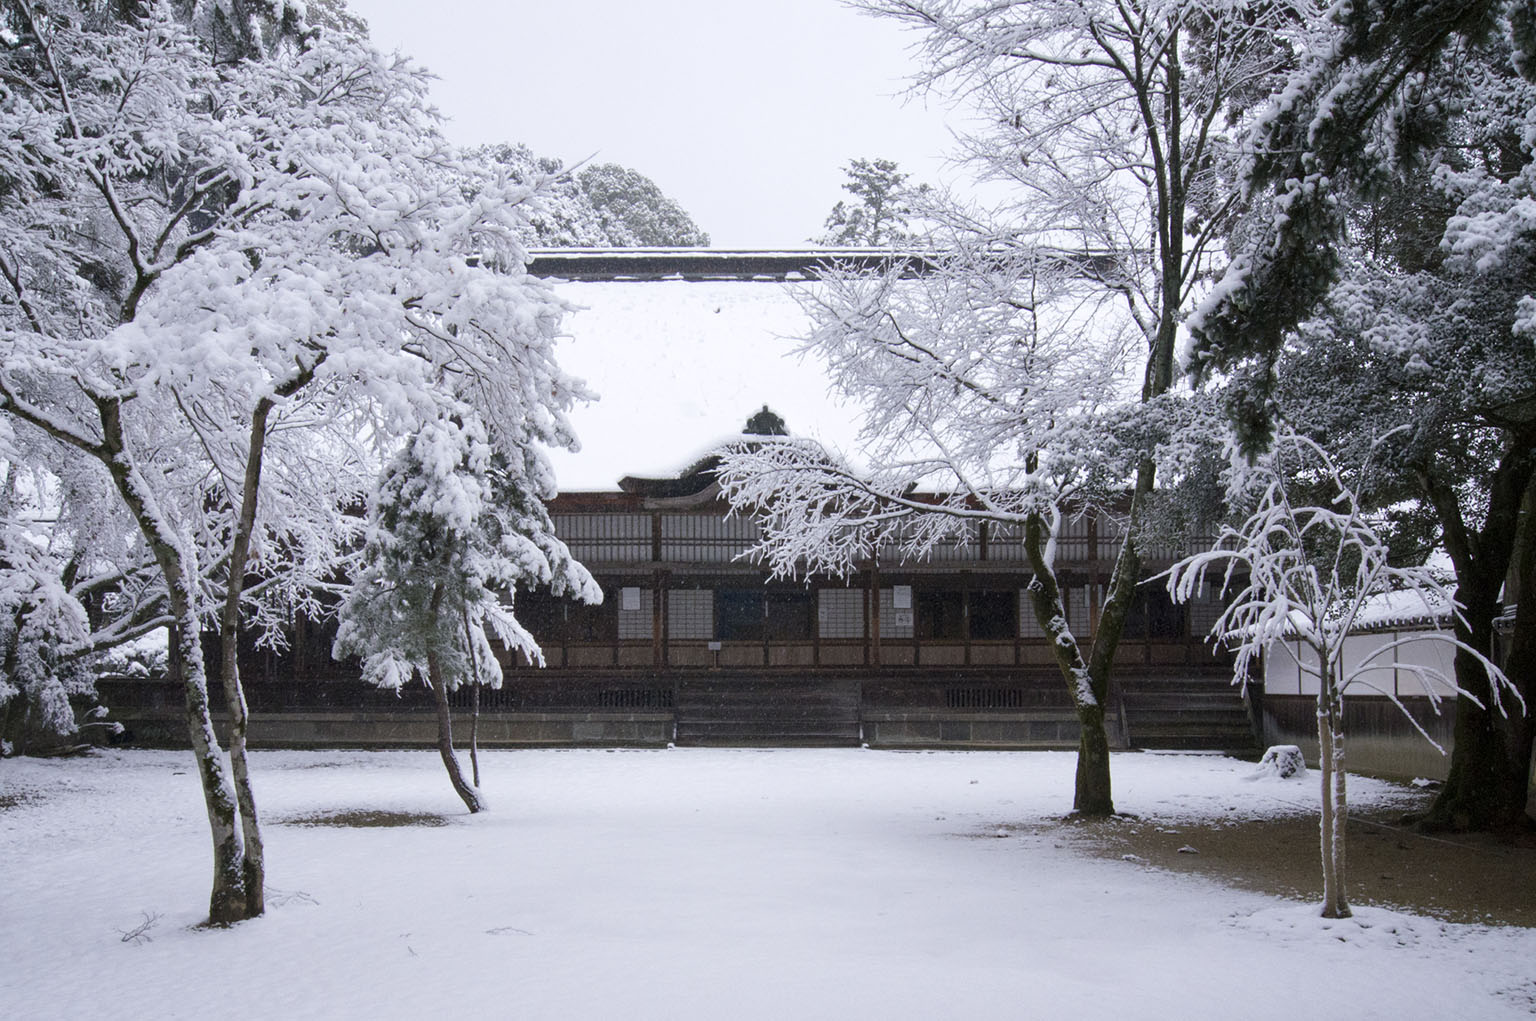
1454	877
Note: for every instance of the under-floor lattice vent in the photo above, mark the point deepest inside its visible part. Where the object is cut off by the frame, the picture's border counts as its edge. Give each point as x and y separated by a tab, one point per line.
984	698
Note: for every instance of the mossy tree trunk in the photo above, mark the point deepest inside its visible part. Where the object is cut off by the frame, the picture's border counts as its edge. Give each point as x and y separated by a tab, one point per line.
1488	782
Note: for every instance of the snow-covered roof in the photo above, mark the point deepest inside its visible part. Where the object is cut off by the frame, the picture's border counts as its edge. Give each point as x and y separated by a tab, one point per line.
675	362
635	264
1402	609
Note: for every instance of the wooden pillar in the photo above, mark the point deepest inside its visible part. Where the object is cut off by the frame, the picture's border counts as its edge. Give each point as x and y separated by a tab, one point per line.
872	610
664	613
965	614
815	626
658	598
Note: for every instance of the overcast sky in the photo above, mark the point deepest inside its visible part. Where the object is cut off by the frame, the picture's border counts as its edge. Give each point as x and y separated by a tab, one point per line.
745	113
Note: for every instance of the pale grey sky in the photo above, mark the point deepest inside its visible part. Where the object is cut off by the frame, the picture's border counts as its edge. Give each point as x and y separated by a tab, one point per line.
745	113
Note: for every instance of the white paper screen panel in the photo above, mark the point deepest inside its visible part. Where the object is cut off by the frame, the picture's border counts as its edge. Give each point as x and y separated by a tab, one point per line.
691	613
840	612
638	622
894	623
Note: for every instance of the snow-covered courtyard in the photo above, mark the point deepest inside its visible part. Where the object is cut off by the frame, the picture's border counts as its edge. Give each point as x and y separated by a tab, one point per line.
691	884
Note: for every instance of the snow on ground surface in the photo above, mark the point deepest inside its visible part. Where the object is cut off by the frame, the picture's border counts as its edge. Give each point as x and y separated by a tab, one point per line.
692	883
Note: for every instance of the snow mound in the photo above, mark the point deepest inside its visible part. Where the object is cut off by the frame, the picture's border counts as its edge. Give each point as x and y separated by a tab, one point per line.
1281	762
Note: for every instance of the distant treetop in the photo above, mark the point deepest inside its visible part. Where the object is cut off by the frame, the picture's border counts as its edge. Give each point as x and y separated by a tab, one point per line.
884	207
601	206
633	211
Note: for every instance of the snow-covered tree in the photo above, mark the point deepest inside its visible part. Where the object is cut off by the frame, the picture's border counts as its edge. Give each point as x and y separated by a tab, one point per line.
994	378
603	205
452	530
1304	573
1382	277
1360	105
75	581
883	208
633	211
228	284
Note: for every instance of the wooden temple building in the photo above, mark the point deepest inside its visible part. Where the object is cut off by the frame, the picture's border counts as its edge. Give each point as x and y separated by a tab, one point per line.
695	644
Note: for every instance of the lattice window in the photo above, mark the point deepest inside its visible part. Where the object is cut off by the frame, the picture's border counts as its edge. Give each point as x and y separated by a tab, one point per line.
964	546
1072	541
606	538
690	613
1005	543
894	623
1029	627
696	538
841	612
638	621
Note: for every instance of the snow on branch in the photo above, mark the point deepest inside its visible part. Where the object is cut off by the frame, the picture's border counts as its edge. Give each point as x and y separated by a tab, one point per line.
1311	574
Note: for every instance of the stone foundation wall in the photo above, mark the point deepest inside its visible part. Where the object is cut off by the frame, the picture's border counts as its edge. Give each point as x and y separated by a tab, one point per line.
936	729
316	729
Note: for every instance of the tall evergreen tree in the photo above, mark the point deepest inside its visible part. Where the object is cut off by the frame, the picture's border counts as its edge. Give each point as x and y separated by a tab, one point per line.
451	532
883	208
1381	276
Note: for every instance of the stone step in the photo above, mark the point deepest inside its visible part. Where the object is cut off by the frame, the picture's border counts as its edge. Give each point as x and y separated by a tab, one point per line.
1186	718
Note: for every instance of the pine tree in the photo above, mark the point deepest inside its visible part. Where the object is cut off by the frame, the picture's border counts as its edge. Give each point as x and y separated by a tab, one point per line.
452	528
884	208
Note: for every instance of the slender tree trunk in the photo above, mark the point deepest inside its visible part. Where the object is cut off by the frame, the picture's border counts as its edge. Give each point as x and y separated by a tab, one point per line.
435	680
245	797
474	703
229	648
1520	661
1092	795
1340	815
1092	791
470	795
229	901
1335	813
474	734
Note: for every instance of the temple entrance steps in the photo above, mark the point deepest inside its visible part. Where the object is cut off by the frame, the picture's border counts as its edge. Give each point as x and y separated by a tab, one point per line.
726	711
1195	712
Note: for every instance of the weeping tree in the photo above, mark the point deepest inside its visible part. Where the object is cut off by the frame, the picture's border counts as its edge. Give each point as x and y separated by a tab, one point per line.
1305	573
452	527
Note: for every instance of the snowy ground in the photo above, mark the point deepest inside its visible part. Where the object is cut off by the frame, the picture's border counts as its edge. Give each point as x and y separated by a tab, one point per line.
691	884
